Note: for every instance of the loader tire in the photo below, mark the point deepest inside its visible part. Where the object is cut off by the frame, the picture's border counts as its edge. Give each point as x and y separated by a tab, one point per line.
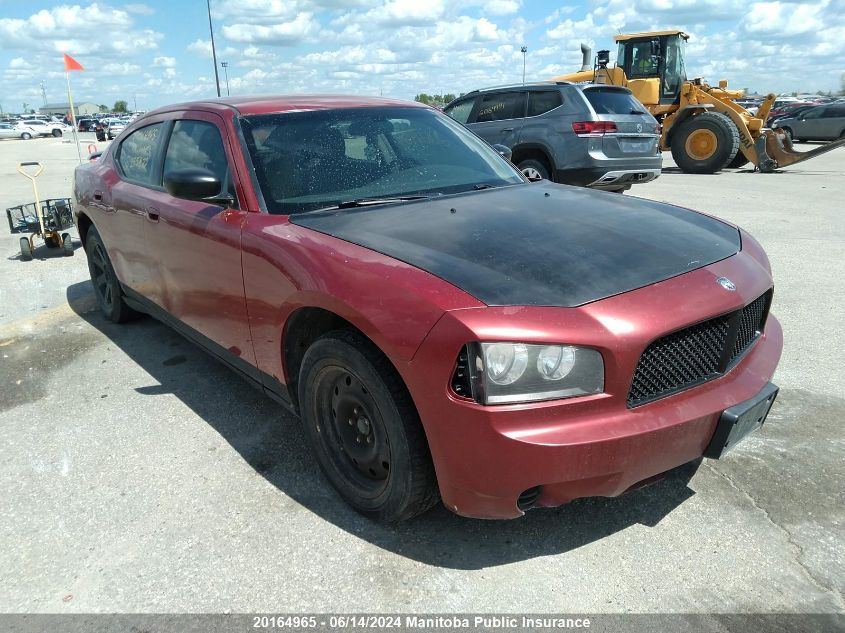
738	161
705	143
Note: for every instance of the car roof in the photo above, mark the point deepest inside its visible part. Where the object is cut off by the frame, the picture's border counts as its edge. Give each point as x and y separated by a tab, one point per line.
269	104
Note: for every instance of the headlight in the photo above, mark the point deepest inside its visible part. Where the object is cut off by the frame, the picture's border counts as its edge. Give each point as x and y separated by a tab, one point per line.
502	373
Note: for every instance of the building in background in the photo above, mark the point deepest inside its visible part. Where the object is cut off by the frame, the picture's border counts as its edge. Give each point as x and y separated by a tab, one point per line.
61	109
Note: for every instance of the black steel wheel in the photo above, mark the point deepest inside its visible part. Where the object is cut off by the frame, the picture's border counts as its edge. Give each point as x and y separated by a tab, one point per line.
57	133
26	249
364	429
106	285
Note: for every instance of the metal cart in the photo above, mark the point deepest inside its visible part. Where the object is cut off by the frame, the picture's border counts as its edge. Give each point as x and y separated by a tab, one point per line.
45	220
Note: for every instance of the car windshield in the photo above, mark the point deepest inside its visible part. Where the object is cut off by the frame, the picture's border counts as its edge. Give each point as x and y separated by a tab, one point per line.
313	160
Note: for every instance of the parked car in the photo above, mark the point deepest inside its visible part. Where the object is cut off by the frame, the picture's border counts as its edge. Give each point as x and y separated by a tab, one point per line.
789	112
822	123
42	128
100	131
86	125
444	327
115	127
596	136
8	130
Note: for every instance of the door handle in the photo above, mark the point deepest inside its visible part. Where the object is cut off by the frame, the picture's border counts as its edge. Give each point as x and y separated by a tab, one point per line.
152	214
507	129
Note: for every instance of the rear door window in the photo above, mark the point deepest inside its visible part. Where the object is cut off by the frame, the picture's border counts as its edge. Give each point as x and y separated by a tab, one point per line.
541	101
460	111
137	156
614	102
500	106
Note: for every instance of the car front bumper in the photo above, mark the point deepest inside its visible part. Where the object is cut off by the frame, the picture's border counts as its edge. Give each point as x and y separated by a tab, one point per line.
487	456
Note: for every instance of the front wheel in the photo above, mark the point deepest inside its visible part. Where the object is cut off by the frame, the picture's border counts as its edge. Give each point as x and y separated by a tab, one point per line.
26	249
705	143
57	133
26	136
364	428
106	285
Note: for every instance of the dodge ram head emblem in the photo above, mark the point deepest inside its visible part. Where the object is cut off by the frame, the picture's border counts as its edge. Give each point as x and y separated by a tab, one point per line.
726	283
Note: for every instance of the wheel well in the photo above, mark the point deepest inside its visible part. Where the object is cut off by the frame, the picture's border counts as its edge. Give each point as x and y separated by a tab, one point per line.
83	223
303	327
528	153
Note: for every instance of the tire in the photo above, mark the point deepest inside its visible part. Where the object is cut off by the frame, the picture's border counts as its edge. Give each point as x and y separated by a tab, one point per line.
364	428
705	143
26	249
738	161
50	241
67	244
106	285
57	133
531	168
26	136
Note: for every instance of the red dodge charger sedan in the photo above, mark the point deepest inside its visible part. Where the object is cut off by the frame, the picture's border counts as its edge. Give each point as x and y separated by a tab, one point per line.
444	328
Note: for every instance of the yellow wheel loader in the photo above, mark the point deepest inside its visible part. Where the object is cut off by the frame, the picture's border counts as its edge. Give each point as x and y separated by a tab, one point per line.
703	126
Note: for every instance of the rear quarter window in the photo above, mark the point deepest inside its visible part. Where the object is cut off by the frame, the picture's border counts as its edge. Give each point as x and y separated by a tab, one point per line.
614	102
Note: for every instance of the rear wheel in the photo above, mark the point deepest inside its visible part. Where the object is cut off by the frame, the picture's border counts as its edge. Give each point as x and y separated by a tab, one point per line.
57	133
705	143
364	428
534	169
106	284
738	161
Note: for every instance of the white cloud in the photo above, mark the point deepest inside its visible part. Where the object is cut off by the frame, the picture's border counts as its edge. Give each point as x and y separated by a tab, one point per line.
280	34
164	62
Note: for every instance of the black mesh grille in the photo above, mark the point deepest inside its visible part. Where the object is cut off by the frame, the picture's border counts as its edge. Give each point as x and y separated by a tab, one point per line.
460	377
697	353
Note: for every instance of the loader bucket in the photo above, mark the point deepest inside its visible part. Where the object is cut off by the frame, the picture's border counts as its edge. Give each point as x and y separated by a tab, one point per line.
774	149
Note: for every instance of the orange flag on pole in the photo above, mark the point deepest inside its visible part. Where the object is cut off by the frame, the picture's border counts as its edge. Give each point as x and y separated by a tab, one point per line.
71	63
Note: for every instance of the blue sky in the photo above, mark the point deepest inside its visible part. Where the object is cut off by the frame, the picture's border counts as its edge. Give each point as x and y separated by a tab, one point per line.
156	52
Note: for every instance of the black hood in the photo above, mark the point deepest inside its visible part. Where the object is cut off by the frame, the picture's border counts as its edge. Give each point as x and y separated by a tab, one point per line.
536	244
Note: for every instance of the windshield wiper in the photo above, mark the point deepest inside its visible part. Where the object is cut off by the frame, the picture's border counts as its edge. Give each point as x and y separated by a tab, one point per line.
637	112
366	202
483	185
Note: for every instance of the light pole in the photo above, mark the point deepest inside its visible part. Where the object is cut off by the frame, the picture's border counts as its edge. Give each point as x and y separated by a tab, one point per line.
213	50
226	72
523	50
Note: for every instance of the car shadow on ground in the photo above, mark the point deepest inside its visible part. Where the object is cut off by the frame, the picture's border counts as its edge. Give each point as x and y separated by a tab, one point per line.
270	440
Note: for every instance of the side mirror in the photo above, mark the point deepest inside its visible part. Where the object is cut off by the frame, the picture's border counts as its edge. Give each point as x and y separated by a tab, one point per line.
194	183
504	150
